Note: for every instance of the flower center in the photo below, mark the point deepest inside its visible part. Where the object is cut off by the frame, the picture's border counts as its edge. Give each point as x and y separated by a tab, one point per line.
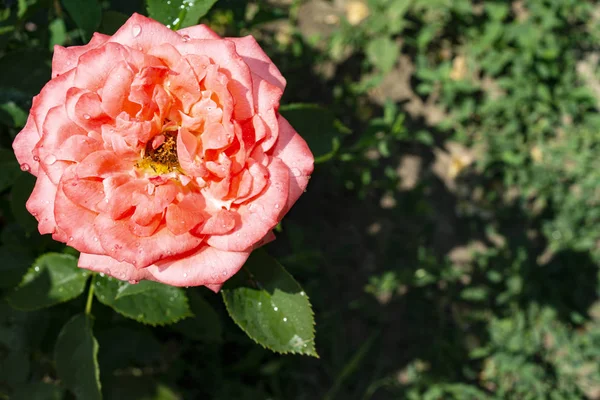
160	154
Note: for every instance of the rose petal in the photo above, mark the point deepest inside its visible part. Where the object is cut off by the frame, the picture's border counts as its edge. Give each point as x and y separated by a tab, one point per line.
102	164
76	221
294	152
41	203
186	214
260	215
260	64
206	266
143	33
66	58
119	243
220	223
23	146
224	55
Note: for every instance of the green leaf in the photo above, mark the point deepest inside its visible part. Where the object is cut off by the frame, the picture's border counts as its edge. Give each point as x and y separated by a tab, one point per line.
205	325
147	302
86	14
37	391
270	306
12	115
383	52
178	14
53	278
58	33
317	126
15	262
76	356
20	192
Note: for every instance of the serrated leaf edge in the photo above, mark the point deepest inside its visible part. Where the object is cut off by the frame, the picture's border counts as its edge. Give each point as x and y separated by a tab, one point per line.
312	314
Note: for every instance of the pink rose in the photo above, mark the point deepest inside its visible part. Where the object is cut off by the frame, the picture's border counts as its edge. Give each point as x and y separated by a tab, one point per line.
161	155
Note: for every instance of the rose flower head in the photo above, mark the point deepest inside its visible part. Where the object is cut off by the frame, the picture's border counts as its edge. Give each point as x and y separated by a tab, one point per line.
161	155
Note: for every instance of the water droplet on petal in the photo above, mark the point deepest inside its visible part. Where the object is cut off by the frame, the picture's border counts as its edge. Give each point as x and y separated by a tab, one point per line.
185	274
276	206
71	238
50	159
36	158
296	172
136	30
185	38
95	238
86	116
133	281
25	167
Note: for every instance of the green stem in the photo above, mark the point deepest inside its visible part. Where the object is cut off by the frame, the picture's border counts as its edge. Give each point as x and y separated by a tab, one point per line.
90	298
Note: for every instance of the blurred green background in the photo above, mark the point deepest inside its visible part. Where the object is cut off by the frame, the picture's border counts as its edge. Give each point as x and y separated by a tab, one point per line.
449	238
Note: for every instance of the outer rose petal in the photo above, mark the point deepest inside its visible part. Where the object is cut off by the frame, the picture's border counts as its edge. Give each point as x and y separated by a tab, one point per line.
260	215
143	33
66	58
110	266
259	63
52	94
198	32
24	143
294	152
76	221
41	203
206	266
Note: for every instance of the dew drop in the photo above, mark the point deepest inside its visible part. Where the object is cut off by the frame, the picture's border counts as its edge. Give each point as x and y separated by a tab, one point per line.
260	303
284	319
51	159
136	30
133	282
185	38
275	308
296	172
25	167
95	238
86	116
36	158
276	206
185	274
37	269
71	238
224	273
302	293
